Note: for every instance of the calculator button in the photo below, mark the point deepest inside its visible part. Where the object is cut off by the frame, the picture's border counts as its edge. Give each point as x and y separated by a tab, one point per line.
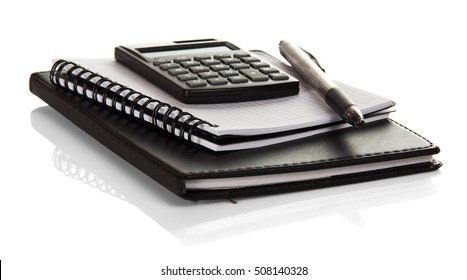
254	75
198	69
238	80
230	60
178	71
228	73
187	77
208	62
168	66
219	67
278	76
197	83
181	59
259	64
201	57
217	81
250	59
208	75
238	66
190	63
222	55
159	61
241	54
268	70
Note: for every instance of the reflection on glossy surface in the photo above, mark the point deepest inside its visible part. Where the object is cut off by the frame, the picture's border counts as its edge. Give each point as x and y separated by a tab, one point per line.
79	156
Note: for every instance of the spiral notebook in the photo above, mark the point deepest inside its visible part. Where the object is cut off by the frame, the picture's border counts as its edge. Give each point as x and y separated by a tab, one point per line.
219	127
378	150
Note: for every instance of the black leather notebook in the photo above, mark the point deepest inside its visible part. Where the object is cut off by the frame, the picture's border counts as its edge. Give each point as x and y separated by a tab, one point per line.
380	150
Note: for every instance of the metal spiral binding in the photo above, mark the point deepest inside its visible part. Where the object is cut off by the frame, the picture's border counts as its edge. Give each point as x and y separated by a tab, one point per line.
93	86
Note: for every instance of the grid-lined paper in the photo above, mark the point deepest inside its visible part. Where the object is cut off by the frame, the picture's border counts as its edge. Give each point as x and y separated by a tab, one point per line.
306	109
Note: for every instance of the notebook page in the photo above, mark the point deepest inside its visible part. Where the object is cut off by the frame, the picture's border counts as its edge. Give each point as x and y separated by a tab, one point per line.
246	118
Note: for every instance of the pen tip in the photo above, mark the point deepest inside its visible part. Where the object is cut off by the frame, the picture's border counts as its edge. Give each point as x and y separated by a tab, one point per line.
359	122
353	116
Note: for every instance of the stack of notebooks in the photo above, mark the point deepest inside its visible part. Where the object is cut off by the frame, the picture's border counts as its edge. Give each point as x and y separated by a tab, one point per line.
207	151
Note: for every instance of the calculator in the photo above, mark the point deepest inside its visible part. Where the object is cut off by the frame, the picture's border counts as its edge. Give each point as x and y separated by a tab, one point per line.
207	71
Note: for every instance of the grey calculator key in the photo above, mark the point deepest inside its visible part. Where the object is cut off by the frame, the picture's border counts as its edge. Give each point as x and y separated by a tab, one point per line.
190	63
241	54
219	67
222	55
197	83
238	66
228	73
238	80
208	75
230	60
198	69
268	70
278	76
250	59
208	62
159	61
259	64
187	77
217	81
181	59
201	57
254	75
178	71
168	66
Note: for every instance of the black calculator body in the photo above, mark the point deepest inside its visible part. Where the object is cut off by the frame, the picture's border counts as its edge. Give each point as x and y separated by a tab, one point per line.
207	71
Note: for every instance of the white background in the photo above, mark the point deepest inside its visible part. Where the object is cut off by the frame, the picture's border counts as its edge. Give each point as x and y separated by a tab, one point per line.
115	223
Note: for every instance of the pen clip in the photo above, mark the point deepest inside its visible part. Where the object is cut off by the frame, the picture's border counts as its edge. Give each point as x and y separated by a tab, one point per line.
314	59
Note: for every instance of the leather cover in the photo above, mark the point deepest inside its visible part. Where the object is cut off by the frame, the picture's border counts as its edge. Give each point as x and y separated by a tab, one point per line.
171	162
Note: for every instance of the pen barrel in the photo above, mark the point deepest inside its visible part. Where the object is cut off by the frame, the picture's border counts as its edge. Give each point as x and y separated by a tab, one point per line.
321	82
304	64
337	100
306	67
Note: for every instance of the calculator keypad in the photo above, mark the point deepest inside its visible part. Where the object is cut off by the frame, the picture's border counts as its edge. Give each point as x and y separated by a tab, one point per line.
219	70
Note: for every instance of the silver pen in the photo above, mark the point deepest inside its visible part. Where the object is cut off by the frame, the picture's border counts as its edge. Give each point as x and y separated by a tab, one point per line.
334	96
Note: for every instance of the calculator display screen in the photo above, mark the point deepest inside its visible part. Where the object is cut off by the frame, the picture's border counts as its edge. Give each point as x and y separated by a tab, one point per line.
184	51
